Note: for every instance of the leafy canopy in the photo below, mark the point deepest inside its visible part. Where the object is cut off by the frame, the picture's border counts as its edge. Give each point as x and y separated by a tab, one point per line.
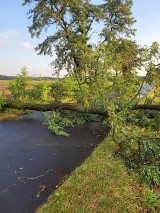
105	72
71	24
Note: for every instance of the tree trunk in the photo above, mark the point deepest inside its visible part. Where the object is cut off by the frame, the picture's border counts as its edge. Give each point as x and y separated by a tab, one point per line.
53	106
69	106
147	107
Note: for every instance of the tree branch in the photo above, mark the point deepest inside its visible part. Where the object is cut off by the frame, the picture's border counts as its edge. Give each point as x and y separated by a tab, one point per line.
147	107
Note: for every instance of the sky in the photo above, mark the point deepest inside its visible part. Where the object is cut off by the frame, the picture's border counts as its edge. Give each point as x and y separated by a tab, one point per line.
17	48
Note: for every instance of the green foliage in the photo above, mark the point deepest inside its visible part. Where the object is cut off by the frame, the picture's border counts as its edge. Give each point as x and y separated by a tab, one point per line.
2	102
117	19
58	120
58	90
22	88
67	89
18	86
39	92
99	93
72	39
56	123
146	118
152	202
138	144
72	88
103	74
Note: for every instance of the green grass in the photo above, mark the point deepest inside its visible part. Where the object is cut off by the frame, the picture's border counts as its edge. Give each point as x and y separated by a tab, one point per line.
101	185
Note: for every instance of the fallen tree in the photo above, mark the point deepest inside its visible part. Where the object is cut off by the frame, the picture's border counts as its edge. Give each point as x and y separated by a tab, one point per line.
52	106
147	107
69	106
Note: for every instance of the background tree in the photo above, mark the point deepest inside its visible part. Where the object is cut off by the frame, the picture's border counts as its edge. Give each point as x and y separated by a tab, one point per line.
73	23
118	19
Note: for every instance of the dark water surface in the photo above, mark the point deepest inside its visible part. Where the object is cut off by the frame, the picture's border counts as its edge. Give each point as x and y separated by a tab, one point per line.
29	150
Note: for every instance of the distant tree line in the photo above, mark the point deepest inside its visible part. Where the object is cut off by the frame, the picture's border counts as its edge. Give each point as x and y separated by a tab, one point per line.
4	77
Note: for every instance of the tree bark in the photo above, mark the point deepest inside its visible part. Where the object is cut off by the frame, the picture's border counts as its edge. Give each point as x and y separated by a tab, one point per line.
70	106
147	107
53	106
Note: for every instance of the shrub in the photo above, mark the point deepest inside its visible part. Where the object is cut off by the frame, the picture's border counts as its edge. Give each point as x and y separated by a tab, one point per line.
2	102
40	92
58	90
19	85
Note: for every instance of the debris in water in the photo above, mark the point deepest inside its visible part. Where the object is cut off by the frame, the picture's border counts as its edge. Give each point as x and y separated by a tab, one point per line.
22	179
42	188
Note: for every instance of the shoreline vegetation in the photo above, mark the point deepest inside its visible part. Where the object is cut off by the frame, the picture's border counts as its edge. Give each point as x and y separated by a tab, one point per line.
102	184
123	173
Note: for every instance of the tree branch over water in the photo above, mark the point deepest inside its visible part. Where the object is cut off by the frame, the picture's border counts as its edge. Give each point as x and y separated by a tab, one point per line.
70	106
53	106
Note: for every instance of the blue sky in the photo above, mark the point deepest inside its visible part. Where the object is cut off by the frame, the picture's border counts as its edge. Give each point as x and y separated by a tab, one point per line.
17	47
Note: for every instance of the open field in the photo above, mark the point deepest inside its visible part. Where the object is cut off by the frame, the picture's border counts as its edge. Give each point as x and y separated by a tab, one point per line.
4	87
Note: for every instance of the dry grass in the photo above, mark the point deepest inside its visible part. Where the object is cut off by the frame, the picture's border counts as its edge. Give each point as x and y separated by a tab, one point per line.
4	87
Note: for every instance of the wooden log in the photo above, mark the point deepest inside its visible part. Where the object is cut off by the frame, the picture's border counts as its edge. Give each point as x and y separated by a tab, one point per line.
70	106
147	107
53	106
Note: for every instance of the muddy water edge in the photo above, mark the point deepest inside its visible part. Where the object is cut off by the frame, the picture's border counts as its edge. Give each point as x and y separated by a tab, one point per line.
34	161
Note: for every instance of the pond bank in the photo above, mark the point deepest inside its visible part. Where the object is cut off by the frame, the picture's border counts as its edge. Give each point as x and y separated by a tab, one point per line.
34	161
12	113
101	185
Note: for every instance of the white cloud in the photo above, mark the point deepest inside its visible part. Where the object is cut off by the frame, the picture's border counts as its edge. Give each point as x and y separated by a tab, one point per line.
26	45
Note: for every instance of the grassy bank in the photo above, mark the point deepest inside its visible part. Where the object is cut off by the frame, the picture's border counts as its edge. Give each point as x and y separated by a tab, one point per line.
101	185
10	113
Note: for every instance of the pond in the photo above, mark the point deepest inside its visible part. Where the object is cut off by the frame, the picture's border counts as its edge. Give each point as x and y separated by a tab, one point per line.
34	161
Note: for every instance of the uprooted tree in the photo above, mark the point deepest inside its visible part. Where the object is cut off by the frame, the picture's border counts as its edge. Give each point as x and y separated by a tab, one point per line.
102	75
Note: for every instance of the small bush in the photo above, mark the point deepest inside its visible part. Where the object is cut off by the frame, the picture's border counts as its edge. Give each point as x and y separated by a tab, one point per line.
2	102
40	92
18	86
58	90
